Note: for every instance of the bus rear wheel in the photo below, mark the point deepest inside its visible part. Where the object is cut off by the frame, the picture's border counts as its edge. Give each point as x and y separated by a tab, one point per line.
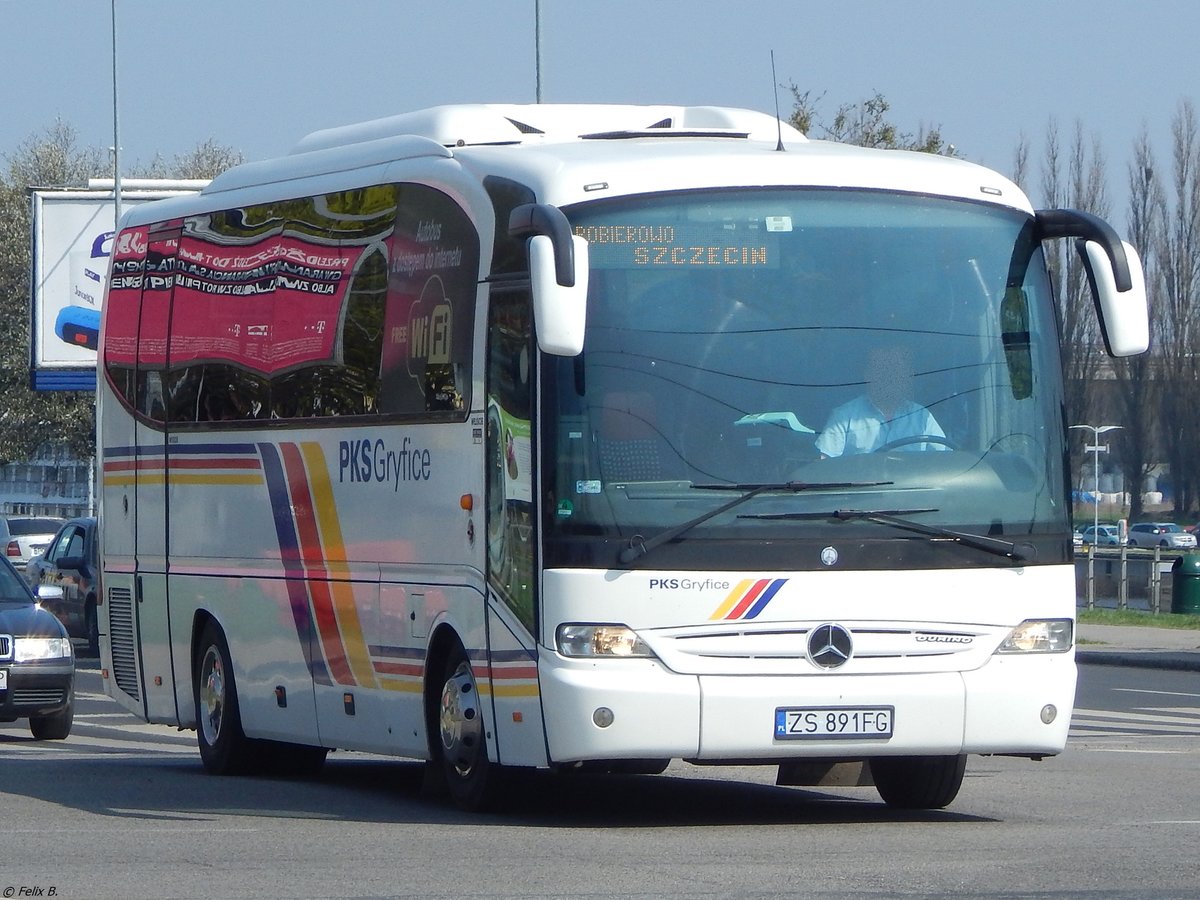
471	778
224	747
918	782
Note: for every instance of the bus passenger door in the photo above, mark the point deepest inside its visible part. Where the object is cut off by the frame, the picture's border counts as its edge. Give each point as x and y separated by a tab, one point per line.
511	529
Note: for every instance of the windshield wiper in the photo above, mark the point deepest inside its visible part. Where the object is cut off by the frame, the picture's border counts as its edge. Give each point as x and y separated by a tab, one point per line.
984	542
638	546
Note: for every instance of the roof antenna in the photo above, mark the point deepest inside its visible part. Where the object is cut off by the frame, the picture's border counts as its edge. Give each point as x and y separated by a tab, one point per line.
778	121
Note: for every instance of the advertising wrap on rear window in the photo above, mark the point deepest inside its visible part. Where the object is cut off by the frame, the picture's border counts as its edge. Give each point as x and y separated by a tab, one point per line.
353	303
267	307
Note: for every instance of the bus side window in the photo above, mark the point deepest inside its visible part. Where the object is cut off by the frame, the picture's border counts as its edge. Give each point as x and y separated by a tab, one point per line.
428	323
122	312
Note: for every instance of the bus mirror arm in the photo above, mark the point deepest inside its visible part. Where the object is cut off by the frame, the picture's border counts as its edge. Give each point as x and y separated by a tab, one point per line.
539	218
1074	223
1114	273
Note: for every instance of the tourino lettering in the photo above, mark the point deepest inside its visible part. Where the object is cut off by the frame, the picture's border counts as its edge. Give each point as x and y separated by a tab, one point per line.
368	461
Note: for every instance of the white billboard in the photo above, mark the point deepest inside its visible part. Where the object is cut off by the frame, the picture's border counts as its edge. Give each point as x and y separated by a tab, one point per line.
72	240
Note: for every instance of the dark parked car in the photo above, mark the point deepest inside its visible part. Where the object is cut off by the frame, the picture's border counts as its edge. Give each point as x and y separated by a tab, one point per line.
37	664
66	579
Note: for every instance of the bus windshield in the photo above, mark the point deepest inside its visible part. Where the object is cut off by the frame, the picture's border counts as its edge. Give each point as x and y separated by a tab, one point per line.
895	355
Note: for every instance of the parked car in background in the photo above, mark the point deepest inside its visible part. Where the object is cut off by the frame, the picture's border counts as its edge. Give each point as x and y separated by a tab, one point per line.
1160	534
25	536
66	579
37	664
1102	535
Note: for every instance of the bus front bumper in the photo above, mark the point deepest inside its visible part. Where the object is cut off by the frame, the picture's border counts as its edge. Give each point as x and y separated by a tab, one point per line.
636	708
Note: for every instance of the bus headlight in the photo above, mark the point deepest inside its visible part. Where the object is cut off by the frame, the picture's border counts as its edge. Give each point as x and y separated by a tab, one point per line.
1040	636
600	640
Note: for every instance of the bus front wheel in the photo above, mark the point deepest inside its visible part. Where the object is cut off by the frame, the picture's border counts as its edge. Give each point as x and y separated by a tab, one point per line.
918	782
224	747
472	779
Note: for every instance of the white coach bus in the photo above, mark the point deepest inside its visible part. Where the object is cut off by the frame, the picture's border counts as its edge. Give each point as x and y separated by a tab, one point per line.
596	436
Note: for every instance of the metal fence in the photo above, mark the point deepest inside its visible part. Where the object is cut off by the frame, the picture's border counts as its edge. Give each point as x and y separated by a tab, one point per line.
1124	578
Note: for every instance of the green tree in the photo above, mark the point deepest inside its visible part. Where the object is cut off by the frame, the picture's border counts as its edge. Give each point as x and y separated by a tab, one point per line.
864	123
50	158
208	160
55	158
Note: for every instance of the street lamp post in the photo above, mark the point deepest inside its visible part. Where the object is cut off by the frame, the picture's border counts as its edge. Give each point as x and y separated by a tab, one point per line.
1095	449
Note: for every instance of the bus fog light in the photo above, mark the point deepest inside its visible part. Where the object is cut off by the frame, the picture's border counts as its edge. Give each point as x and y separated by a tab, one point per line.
1049	713
1040	636
603	717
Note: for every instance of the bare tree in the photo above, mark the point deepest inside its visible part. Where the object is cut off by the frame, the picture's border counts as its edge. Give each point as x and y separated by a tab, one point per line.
1177	329
1021	160
1074	180
1135	398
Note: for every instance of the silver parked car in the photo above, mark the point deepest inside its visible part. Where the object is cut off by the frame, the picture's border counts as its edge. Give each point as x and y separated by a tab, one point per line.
26	536
1103	535
1160	534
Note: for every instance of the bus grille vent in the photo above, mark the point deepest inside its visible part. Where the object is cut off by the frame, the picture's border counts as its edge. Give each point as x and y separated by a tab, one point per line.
121	638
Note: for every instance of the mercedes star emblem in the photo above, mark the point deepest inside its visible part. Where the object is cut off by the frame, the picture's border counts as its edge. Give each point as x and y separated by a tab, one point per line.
829	646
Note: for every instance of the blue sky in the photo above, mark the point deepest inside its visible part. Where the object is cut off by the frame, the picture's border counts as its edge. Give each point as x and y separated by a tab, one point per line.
259	74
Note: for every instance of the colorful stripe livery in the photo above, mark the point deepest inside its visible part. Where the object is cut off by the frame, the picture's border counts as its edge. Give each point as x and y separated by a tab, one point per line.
514	674
748	598
313	553
223	464
311	545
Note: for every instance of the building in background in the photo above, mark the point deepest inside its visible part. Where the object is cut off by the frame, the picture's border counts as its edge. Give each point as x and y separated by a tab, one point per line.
53	483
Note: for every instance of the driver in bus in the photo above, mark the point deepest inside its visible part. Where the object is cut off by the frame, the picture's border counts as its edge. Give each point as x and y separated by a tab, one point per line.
884	415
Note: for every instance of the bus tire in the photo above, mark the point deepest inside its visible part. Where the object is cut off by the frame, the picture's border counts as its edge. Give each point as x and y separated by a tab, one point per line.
918	782
473	781
224	747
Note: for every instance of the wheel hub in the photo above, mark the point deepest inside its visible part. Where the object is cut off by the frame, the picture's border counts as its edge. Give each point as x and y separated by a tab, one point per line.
212	695
460	721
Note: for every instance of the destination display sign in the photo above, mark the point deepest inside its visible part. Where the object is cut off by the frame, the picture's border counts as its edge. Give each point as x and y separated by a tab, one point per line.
647	246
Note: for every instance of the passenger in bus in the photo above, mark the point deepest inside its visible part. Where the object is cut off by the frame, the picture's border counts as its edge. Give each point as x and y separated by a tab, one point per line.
883	415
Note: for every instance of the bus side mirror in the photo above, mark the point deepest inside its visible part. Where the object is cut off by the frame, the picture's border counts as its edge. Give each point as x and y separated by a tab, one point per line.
558	275
1114	271
559	311
1124	319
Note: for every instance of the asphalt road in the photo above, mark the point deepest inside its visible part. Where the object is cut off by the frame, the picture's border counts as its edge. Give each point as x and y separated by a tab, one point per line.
123	810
